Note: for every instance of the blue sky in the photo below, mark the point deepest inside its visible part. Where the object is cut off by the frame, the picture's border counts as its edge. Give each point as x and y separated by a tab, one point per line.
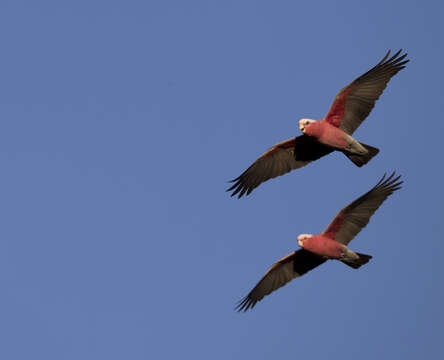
121	123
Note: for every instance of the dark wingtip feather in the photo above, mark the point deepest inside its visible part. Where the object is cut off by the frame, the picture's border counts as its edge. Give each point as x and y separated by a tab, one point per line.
393	60
385	57
244	189
387	67
396	60
381	180
231	187
236	188
390	184
239	187
245	304
396	55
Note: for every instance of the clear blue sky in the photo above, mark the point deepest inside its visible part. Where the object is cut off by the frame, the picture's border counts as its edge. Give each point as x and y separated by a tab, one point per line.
121	123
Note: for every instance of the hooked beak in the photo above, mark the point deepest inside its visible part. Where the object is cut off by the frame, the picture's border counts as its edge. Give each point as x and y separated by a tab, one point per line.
300	243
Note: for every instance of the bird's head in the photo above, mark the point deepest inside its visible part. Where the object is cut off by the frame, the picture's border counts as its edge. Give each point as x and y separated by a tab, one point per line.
304	123
302	238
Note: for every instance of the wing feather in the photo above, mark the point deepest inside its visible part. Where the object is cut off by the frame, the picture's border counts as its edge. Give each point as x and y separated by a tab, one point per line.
283	271
355	101
355	216
278	160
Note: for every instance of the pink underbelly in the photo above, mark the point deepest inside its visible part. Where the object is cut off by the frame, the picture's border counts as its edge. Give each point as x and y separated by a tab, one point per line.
324	247
334	139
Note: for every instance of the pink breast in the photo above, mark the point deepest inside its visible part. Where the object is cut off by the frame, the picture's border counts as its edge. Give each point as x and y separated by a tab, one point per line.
333	136
324	246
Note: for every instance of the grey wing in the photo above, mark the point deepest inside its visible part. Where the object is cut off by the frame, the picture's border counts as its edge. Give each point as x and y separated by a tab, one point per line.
278	160
354	102
283	271
355	216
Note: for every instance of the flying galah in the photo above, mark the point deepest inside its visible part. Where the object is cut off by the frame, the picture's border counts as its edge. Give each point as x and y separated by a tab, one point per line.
331	244
334	132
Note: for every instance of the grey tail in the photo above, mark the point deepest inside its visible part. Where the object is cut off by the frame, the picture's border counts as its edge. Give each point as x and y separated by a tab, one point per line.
356	264
360	160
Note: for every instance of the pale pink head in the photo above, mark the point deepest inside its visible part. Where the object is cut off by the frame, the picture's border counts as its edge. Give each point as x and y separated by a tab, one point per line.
304	123
302	238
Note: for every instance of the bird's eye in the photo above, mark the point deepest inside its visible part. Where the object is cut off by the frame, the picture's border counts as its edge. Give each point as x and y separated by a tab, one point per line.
306	123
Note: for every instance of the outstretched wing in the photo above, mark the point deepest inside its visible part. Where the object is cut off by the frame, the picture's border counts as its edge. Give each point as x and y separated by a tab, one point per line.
355	216
283	271
354	102
278	160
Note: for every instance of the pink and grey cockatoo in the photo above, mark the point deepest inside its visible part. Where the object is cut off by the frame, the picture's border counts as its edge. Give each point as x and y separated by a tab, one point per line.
350	108
331	244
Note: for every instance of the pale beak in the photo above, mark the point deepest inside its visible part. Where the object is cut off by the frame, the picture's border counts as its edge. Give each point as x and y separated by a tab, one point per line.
300	243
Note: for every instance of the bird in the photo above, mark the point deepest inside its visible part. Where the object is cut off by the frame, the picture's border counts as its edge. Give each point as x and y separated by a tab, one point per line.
331	244
333	133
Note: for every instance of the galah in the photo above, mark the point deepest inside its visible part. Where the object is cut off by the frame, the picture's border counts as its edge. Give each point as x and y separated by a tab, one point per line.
333	133
329	245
